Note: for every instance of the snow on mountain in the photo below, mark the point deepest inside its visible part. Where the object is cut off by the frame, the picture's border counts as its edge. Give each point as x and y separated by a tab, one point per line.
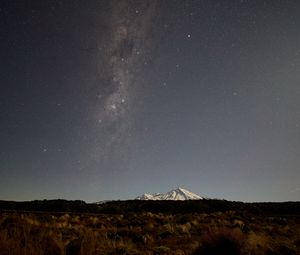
176	194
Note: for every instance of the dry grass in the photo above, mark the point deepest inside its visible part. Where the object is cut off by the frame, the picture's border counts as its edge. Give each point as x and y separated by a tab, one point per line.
146	233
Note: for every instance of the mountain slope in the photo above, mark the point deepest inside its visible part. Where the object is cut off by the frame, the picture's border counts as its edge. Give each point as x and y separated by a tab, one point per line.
176	194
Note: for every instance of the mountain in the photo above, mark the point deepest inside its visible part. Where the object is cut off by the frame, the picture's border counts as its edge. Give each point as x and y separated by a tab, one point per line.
176	194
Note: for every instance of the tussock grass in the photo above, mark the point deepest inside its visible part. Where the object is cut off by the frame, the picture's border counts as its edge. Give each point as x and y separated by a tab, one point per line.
147	233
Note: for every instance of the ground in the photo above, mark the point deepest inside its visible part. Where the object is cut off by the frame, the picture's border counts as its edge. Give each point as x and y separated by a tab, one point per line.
230	232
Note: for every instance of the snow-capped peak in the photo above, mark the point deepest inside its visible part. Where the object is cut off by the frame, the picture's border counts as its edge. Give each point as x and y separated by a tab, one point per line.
176	194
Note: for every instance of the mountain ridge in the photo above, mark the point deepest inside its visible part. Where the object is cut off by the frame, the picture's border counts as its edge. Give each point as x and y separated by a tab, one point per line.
176	194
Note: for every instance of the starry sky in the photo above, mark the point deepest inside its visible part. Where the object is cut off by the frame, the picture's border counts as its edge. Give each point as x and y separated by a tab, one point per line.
111	99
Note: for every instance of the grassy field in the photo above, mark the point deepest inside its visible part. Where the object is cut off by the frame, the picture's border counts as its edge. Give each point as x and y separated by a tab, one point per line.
143	232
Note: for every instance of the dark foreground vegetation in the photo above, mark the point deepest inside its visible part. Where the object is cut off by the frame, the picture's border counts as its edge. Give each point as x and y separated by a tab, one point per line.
138	206
149	227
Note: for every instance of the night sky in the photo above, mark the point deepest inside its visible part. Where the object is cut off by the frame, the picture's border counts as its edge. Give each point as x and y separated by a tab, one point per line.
112	99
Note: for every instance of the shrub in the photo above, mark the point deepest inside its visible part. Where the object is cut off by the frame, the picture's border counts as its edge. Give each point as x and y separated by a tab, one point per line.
161	249
224	242
74	247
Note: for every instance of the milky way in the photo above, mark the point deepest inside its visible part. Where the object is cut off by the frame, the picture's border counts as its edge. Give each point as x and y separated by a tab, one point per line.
126	53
